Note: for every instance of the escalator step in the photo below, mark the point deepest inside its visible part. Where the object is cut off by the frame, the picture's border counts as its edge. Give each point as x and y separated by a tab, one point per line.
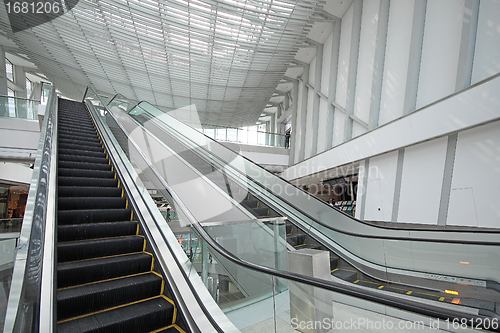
76	142
80	130
95	230
83	165
87	271
170	329
346	275
86	159
98	296
261	212
310	246
92	215
87	181
81	146
81	125
334	262
77	124
63	172
76	191
73	203
96	248
251	204
144	316
295	240
82	153
83	139
83	134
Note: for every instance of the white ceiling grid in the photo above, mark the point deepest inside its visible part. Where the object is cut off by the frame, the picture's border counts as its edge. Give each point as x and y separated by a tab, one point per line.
226	57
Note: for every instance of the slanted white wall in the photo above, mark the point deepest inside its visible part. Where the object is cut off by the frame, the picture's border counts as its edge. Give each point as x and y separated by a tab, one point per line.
422	182
366	59
344	59
393	57
440	50
487	50
475	187
397	56
431	50
380	187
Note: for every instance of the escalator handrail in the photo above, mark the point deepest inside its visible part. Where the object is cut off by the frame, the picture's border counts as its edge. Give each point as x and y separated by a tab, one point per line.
460	241
332	285
186	278
27	273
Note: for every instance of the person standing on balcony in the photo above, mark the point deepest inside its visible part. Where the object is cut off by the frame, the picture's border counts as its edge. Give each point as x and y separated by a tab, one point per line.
287	139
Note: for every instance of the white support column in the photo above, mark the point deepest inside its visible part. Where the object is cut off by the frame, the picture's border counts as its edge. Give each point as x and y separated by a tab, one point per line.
353	67
467	46
293	139
417	39
20	81
378	71
332	87
3	74
303	114
317	90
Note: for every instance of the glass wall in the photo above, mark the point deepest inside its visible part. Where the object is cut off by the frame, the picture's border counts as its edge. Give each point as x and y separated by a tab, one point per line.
251	135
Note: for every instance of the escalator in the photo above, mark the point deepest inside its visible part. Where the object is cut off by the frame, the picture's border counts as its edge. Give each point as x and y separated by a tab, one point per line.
107	276
298	238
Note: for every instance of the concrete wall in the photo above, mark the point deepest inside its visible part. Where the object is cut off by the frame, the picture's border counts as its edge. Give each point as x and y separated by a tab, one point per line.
19	139
15	173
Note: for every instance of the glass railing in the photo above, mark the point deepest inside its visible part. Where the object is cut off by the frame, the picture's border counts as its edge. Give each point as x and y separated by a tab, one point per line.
242	276
25	311
373	243
15	107
11	225
242	135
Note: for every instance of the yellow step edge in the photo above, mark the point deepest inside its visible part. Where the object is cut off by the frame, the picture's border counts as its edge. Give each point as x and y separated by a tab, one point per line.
441	299
371	282
180	330
162	281
93	239
380	287
105	280
356	281
409	293
348	270
152	260
113	256
109	309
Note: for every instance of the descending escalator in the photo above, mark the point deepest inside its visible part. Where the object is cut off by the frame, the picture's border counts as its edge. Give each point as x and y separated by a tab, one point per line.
296	237
107	280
